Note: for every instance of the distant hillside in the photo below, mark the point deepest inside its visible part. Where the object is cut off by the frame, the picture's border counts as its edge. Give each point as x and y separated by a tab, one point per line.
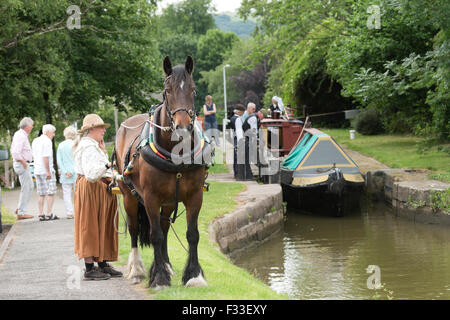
230	22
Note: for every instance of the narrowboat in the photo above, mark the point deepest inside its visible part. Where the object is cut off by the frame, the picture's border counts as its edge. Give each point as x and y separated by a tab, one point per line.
318	176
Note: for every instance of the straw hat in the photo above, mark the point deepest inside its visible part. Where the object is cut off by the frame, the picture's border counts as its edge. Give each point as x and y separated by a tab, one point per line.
91	121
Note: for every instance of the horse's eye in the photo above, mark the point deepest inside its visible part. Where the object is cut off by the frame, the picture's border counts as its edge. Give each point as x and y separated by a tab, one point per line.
168	90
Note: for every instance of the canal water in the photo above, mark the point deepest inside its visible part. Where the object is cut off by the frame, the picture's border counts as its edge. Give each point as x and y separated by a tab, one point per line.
322	257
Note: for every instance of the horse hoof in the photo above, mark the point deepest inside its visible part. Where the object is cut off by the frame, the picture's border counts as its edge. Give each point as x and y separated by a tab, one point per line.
135	266
198	281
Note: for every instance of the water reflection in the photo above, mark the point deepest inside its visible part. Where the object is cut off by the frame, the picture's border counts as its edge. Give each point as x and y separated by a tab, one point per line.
321	257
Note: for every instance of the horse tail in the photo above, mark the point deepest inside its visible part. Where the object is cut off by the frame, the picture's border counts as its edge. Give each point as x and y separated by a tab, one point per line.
143	226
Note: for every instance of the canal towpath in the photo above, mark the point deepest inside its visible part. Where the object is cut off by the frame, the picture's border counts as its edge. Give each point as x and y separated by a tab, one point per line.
37	261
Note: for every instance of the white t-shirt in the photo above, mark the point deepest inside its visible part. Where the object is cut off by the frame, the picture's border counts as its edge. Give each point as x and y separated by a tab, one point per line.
42	147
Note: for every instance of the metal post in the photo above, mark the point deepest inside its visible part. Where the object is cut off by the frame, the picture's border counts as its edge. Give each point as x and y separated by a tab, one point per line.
116	120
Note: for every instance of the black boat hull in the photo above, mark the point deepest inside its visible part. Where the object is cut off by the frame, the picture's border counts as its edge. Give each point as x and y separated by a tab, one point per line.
322	200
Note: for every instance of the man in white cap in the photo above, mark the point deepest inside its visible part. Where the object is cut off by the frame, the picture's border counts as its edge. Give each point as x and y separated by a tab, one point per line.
44	171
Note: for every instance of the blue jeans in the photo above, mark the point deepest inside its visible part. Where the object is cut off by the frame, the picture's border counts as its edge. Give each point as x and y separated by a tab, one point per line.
212	131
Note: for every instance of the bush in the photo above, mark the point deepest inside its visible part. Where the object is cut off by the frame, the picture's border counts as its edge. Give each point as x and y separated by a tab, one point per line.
368	122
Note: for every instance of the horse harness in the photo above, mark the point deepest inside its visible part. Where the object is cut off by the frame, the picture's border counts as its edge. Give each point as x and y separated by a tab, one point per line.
158	157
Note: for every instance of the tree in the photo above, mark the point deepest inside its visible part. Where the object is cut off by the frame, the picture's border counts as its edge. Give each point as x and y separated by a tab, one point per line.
63	73
191	17
211	51
399	69
245	81
293	38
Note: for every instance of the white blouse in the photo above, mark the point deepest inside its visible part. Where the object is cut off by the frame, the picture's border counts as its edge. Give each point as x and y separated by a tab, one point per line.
90	160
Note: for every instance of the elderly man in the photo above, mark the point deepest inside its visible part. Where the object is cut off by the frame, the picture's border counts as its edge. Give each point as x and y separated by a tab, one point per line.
246	136
22	156
44	171
238	112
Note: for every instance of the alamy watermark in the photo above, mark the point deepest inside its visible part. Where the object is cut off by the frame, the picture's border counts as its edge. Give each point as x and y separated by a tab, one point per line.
74	279
374	281
374	20
251	148
74	20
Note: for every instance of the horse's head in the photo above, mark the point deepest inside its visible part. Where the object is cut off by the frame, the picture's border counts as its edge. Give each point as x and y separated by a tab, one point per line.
179	94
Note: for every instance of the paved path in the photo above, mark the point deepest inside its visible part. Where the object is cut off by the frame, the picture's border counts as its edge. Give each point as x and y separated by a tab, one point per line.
40	264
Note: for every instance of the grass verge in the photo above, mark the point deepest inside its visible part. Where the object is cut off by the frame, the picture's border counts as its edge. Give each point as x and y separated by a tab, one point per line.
225	280
7	217
397	151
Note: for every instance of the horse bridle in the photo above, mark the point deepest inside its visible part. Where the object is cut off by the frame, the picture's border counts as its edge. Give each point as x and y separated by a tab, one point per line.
190	111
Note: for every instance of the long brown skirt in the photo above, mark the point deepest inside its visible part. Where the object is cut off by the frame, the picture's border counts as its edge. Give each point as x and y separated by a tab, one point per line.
95	209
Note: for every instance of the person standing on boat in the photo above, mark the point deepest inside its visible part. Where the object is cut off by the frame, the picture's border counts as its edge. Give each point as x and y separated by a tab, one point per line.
94	235
276	107
211	128
238	112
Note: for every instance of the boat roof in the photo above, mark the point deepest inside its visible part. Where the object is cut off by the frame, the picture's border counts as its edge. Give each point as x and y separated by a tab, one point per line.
315	154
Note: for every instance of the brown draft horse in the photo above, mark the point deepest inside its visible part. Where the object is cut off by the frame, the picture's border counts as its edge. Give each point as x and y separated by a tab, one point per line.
157	188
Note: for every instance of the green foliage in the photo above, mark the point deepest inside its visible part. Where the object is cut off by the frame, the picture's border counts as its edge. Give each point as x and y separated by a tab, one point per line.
178	46
188	28
383	293
212	47
54	74
398	69
440	200
231	23
244	78
368	122
415	204
445	177
211	51
401	69
187	17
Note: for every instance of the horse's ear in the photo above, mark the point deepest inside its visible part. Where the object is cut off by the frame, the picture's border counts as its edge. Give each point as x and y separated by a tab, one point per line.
189	65
167	65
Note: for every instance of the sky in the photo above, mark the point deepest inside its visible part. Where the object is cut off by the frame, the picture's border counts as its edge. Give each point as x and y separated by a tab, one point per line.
221	5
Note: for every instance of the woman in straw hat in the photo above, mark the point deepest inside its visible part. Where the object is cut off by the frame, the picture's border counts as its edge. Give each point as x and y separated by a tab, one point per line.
95	208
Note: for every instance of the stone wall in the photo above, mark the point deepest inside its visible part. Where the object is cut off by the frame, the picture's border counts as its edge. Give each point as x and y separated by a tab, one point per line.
408	192
258	217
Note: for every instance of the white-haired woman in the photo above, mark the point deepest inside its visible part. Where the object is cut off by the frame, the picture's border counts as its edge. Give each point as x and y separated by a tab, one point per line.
67	169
